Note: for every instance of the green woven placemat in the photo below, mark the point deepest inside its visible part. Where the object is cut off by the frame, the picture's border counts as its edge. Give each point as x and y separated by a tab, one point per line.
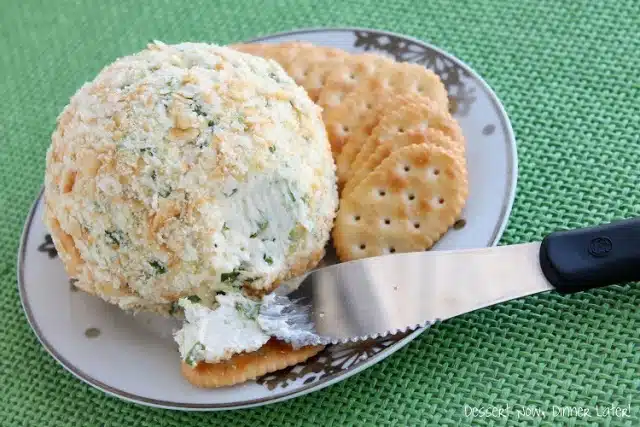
568	74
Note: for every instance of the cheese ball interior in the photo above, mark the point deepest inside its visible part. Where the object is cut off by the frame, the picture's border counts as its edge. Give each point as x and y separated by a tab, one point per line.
187	169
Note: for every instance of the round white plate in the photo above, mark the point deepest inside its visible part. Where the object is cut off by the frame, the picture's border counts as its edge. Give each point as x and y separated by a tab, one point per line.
135	358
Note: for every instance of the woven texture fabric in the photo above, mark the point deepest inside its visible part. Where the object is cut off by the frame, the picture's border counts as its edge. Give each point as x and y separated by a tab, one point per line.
567	73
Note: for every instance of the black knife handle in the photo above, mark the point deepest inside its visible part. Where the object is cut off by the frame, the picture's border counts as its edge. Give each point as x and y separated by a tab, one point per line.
594	257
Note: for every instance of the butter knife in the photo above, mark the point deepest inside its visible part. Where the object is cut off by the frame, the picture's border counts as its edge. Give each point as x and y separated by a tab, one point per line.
389	294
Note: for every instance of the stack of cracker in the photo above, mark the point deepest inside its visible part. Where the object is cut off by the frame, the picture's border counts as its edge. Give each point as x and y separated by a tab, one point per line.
400	155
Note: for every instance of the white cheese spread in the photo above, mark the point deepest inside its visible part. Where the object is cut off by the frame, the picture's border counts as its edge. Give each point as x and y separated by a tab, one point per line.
238	324
216	335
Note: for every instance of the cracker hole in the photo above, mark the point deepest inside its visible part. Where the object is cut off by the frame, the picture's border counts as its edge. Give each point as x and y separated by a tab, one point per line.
387	221
407	168
382	193
345	128
363	246
416	225
412	196
400	130
392	249
352	76
441	201
369	106
356	218
436	172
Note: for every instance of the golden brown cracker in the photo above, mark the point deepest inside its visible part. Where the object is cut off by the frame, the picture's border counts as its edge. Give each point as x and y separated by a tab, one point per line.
355	141
412	112
356	138
271	357
427	136
406	204
310	66
375	72
354	118
353	71
416	79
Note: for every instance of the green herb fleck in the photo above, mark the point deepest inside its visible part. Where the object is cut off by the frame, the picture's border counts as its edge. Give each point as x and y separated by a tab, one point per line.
190	359
230	277
250	311
194	298
203	143
154	175
293	198
225	227
221	293
261	227
296	232
114	237
158	266
211	123
197	108
242	121
274	77
267	259
306	199
165	192
272	148
148	150
234	191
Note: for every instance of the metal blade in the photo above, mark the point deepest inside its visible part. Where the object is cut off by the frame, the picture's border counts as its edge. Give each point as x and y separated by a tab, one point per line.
393	293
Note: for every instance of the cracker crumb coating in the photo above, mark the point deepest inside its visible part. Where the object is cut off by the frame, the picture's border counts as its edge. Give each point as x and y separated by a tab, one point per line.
185	169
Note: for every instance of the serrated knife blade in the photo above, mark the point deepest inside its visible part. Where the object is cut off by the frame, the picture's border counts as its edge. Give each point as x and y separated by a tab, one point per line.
394	293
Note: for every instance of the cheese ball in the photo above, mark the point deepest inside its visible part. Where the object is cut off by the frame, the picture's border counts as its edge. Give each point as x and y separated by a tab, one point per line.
184	170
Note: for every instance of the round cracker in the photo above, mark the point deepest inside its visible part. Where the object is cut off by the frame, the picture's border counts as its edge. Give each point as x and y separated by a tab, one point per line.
375	72
405	205
412	112
271	357
428	136
354	118
354	71
417	79
310	65
355	140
